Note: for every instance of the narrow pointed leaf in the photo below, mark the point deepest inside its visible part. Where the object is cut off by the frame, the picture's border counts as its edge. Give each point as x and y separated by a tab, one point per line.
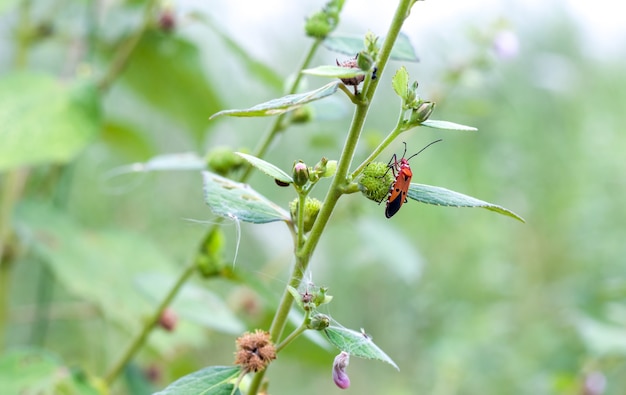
334	71
444	197
357	344
235	200
214	380
266	168
283	104
351	45
431	123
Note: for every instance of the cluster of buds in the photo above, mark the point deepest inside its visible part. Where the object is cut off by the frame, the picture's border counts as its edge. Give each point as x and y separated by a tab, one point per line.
311	298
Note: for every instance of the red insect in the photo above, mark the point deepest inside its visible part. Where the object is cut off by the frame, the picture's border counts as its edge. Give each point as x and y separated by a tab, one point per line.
403	174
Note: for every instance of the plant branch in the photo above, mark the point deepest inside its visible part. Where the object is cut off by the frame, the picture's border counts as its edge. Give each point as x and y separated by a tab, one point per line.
140	339
337	186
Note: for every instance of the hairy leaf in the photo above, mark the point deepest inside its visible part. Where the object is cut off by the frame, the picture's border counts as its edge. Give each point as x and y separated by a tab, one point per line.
283	104
239	201
266	168
356	344
431	123
351	45
445	197
213	380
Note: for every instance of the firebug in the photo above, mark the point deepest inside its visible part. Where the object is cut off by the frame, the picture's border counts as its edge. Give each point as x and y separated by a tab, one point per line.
403	174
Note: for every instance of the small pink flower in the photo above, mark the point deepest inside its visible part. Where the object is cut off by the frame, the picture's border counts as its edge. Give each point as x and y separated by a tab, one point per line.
340	377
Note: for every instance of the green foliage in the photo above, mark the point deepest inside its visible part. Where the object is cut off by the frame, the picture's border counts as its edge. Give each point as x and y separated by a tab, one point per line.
283	104
357	344
214	380
44	120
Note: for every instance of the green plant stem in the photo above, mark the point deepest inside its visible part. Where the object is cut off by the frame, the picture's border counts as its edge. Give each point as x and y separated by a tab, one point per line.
383	144
124	54
150	324
293	335
337	186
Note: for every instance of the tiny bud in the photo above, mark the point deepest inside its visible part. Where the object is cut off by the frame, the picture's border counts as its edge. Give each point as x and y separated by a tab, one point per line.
375	181
300	174
168	320
423	112
167	20
302	114
340	377
312	207
364	61
318	322
223	160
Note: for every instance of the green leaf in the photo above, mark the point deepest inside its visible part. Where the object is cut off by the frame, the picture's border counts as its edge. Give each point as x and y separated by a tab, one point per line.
44	120
282	104
357	344
98	266
238	201
602	338
213	380
431	123
192	303
400	82
33	371
266	168
351	45
167	72
445	197
334	71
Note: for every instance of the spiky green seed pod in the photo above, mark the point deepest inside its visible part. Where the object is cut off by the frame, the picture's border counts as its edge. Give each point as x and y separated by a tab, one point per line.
375	181
312	207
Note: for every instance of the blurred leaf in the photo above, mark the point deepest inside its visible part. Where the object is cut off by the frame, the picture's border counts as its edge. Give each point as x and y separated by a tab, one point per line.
283	104
351	45
267	168
44	120
334	71
431	123
444	197
167	72
168	162
601	338
32	371
97	266
238	201
357	344
255	69
192	303
127	140
213	380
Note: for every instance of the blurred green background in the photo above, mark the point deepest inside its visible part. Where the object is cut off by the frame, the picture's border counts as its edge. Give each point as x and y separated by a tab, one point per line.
465	301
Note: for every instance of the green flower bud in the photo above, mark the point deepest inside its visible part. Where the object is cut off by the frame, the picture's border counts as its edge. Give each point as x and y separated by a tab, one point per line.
302	114
300	173
222	160
312	207
422	112
375	181
318	322
364	61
